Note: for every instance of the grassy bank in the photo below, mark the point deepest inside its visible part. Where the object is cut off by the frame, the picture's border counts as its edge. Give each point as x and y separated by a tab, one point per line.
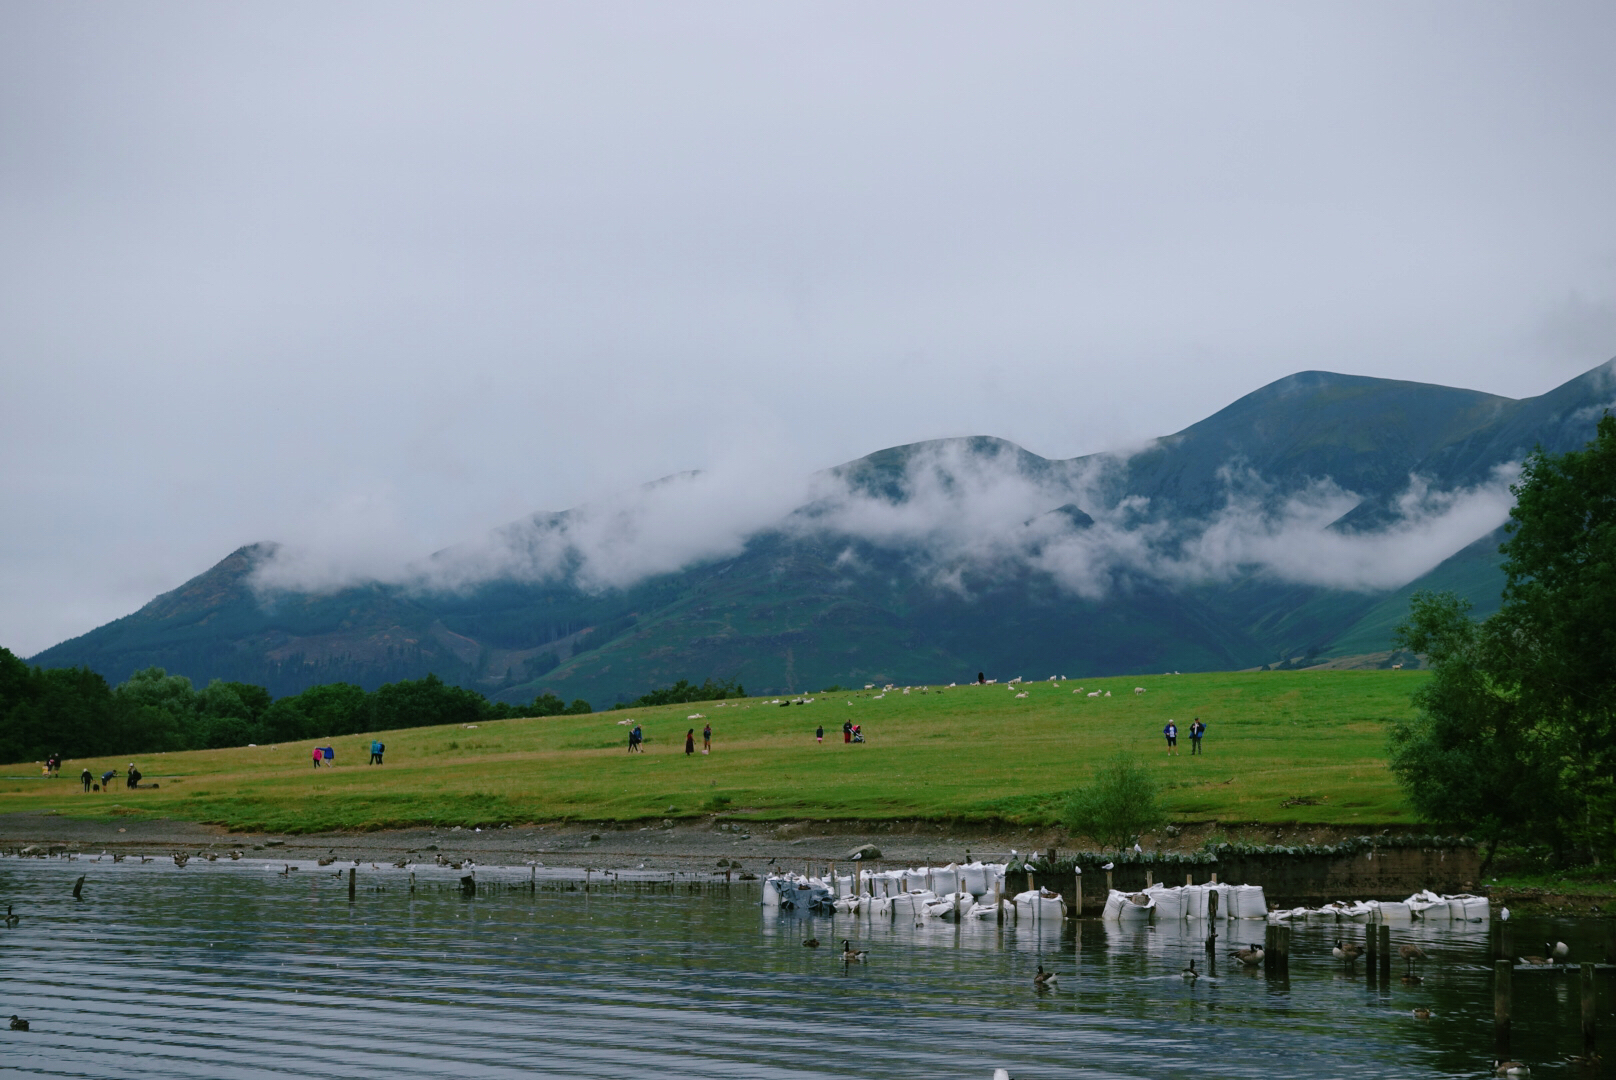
1281	746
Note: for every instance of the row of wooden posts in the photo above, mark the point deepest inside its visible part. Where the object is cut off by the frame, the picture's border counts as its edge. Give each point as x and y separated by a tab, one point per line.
1503	1006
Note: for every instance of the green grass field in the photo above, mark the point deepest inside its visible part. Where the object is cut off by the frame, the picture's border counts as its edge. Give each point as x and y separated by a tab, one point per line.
1280	746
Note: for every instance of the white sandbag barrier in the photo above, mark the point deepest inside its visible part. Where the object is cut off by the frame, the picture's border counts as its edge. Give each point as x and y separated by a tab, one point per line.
1170	903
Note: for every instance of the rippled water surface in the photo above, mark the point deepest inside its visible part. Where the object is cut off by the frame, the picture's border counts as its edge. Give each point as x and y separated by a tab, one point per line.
239	970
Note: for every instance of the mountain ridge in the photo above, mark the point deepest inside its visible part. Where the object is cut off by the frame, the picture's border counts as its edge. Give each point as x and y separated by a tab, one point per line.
879	576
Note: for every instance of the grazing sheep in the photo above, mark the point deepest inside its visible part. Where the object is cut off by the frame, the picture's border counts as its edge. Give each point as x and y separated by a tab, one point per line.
1094	693
1139	689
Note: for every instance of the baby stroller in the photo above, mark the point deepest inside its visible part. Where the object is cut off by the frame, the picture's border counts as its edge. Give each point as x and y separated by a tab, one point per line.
858	736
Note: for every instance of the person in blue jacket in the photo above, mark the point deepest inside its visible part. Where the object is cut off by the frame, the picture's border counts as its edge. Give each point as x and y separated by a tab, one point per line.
1171	731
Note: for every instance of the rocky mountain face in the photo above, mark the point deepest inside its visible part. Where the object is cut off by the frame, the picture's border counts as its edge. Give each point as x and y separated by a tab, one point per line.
1291	525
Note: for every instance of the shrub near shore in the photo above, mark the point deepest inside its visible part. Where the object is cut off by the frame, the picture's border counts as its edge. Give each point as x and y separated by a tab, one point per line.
1281	746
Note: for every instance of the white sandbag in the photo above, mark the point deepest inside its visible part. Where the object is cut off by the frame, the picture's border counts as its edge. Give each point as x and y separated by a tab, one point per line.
1247	902
1429	906
916	880
1039	904
1169	902
1113	905
945	880
986	910
1362	911
976	879
880	907
946	907
912	903
1471	908
1197	900
1395	911
847	905
1136	908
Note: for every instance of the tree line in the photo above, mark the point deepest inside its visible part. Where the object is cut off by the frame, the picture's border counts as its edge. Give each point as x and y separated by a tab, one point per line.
76	713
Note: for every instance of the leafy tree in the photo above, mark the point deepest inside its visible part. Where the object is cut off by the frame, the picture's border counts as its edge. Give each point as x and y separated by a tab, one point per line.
683	692
1118	806
334	709
1516	730
164	709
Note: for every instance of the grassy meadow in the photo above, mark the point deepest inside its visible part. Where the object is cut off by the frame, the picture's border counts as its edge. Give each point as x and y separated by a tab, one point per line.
1280	747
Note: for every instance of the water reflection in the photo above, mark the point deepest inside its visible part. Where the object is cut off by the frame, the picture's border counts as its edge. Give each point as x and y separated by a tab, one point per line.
245	970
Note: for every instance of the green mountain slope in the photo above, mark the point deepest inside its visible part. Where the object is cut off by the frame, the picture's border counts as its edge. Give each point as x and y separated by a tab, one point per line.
817	599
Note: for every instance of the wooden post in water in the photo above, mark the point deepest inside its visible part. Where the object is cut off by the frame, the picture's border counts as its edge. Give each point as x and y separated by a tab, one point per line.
1270	948
1108	885
351	878
1371	953
1587	1008
1282	942
1029	881
78	888
1212	923
1077	911
1501	1008
1385	954
1189	879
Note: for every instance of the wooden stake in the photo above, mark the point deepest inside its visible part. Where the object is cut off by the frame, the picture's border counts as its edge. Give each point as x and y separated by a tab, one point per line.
1108	886
1371	952
1501	1008
1587	1006
351	878
78	888
1385	954
1150	878
1189	879
1077	912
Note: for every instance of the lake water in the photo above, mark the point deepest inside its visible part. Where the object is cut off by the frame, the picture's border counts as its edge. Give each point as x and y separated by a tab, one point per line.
228	970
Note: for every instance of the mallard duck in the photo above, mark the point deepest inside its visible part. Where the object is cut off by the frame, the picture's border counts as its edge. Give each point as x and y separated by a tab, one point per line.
18	1023
1045	979
851	954
1348	952
1422	1014
1250	956
1510	1068
1189	973
811	943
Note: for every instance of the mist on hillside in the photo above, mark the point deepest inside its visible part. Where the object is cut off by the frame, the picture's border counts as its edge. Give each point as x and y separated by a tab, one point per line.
960	513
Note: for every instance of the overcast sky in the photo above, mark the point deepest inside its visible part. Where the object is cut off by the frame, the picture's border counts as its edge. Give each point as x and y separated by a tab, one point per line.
383	276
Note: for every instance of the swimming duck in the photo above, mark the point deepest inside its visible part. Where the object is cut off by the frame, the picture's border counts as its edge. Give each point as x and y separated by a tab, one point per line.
1045	979
853	955
1422	1014
811	943
1250	956
18	1023
1189	973
1349	953
12	920
1510	1068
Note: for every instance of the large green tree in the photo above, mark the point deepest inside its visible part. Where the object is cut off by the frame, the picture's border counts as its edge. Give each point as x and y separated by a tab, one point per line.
1515	734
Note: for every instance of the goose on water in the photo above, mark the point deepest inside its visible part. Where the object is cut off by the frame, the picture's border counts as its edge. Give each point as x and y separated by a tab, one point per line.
12	920
1557	952
1189	973
1045	979
1348	952
1510	1068
849	953
1250	956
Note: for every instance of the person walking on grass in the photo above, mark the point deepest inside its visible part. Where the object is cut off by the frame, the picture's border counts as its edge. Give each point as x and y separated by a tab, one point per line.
706	738
636	737
690	742
375	752
847	731
1197	729
318	755
819	735
1171	731
86	779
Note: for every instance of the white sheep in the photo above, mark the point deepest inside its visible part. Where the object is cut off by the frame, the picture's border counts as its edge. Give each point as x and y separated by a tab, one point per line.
1108	693
1022	694
1094	693
1139	689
